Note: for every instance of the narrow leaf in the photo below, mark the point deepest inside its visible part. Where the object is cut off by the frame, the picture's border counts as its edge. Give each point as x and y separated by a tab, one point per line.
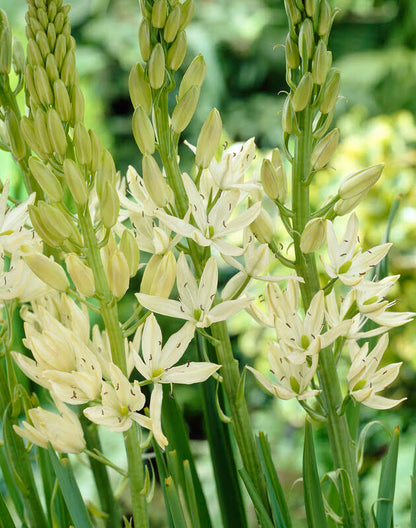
175	504
190	495
384	510
413	495
6	520
163	475
262	514
11	485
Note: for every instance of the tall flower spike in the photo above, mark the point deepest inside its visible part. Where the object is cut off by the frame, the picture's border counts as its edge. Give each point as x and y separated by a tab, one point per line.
195	302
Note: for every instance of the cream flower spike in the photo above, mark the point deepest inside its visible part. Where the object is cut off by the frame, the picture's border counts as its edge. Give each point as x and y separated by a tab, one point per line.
292	379
143	203
20	283
364	380
211	227
346	264
121	404
195	302
62	430
158	363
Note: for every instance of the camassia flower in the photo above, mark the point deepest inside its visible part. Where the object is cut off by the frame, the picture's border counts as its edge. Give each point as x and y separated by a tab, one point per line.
345	263
63	431
292	380
365	381
211	225
195	302
121	403
158	363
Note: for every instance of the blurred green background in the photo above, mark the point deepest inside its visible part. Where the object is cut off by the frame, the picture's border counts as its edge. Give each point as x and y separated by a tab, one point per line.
374	46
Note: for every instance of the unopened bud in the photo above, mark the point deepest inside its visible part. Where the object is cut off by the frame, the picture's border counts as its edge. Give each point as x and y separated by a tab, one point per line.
184	110
157	67
54	221
143	131
324	23
144	39
292	53
47	180
292	12
303	92
288	116
159	13
51	35
48	271
5	43
41	130
155	183
81	275
17	143
51	69
320	63
194	75
262	227
310	7
330	93
76	182
269	179
187	12
118	274
30	86
360	181
59	22
159	275
77	105
56	132
343	207
325	149
43	88
106	172
40	229
306	39
34	56
128	246
68	71
18	57
42	43
139	89
313	235
172	24
60	50
177	52
96	150
62	101
208	139
109	205
82	144
31	137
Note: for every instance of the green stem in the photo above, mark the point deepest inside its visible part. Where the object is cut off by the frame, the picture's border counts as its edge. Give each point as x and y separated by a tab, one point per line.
342	446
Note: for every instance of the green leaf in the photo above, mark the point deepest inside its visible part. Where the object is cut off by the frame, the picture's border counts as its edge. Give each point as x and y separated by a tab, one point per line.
314	504
70	490
175	504
413	495
262	514
362	439
11	484
163	475
278	502
190	495
6	520
384	511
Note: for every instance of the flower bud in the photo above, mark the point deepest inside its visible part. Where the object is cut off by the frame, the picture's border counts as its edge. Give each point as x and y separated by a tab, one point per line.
292	12
47	180
159	13
5	43
77	105
48	271
68	71
288	116
313	235
82	144
262	227
62	101
325	149
324	23
42	43
330	92
54	221
41	131
360	181
303	92
155	183
34	56
194	75
32	94
157	67
177	52
76	182
159	275
292	53
269	179
128	246
343	207
320	63
96	150
18	57
56	132
143	131
208	139
17	143
81	275
184	110
43	88
310	7
41	230
172	24
118	274
59	22
109	205
51	35
306	39
144	39
187	12
139	89
60	50
31	137
51	69
106	172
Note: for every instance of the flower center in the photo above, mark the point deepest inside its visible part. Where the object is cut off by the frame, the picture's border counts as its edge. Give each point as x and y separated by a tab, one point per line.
345	267
359	385
305	341
294	384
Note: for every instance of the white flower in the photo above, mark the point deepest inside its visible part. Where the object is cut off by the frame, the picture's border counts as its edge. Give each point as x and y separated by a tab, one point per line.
213	224
346	264
195	302
364	380
62	430
19	282
152	238
292	380
121	404
144	204
158	363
